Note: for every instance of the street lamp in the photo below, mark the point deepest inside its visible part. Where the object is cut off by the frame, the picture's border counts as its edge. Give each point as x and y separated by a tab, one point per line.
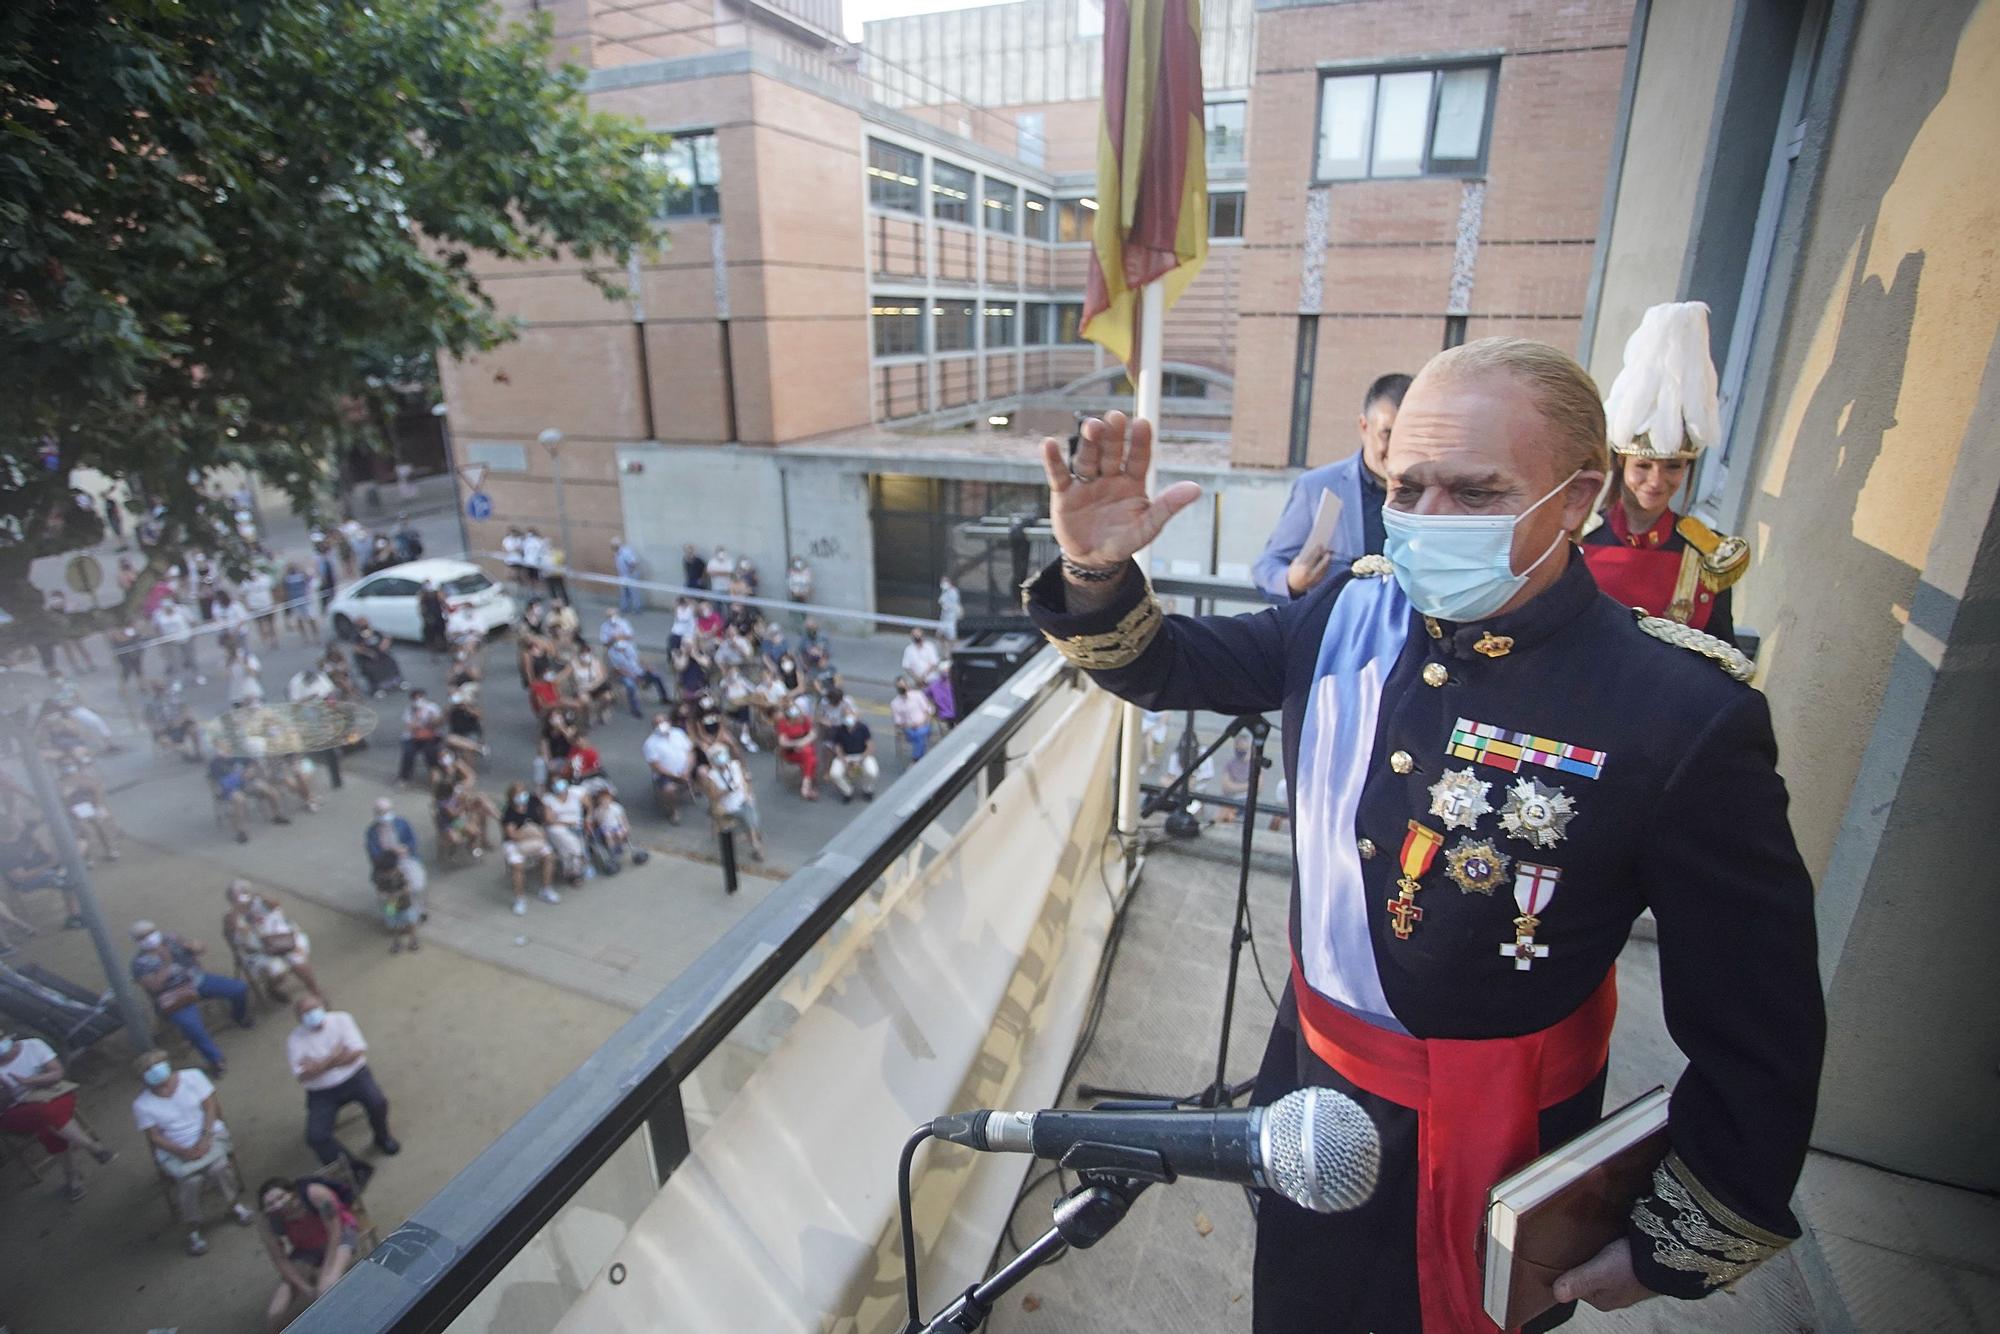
442	411
551	440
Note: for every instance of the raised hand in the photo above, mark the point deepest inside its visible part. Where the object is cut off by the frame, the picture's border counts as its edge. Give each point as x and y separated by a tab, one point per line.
1101	512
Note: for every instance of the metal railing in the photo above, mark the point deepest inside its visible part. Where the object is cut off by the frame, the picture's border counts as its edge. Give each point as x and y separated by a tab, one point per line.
428	1270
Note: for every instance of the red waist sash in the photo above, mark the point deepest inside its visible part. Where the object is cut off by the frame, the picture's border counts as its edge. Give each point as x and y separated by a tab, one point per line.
1477	1103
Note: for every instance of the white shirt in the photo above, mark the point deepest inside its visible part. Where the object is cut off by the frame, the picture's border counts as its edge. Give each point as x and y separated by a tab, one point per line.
28	1057
684	622
171	620
728	776
671	751
461	622
920	661
614	627
309	684
355	533
534	550
256	591
243	679
510	548
306	1044
564	810
177	1116
234	616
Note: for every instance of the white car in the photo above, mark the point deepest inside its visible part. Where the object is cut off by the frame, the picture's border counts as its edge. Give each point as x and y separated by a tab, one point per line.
388	598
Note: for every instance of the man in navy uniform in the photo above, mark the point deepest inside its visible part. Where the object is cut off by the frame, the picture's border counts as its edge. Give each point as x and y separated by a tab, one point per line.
1289	566
1494	769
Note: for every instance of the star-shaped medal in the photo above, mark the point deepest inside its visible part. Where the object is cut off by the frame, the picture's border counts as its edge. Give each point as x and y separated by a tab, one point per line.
1476	867
1536	813
1459	798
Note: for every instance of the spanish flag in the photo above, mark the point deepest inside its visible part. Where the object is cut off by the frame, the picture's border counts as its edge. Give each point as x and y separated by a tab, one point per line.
1152	176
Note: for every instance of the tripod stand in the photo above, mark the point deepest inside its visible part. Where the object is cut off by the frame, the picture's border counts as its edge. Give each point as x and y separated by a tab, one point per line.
1219	1093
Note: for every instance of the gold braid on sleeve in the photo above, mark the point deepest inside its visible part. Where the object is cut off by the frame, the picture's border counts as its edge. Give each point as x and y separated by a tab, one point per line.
1696	1233
1117	647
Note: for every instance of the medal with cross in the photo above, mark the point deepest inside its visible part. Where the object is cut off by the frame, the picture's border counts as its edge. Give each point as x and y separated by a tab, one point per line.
1420	848
1534	886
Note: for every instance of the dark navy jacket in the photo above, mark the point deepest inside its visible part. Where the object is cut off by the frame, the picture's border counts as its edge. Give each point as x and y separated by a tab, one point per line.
1688	818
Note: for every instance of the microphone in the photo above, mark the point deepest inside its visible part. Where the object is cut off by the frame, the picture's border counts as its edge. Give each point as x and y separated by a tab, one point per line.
1314	1146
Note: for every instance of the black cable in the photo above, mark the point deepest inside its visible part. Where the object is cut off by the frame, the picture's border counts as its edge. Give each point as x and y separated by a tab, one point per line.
903	1166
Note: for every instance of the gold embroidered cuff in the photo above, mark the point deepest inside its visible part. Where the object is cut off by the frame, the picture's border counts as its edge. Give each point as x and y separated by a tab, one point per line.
1117	647
1696	1233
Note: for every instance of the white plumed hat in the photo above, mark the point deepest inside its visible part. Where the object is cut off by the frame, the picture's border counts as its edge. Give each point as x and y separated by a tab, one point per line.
1663	405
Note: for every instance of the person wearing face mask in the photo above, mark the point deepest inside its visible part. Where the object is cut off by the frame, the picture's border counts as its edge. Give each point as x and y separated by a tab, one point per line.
390	833
35	1099
798	746
732	802
562	817
1661	413
669	754
182	1123
329	1058
523	838
1478	746
168	966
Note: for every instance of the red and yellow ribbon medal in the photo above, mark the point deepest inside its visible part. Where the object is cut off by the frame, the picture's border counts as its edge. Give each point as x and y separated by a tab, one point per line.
1420	849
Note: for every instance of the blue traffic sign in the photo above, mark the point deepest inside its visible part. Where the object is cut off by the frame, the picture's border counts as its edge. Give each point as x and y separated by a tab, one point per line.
479	506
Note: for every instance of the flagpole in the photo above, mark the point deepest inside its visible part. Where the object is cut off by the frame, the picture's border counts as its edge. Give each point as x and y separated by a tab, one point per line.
1152	321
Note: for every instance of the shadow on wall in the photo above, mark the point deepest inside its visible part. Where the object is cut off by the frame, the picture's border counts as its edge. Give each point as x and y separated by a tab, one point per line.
1890	325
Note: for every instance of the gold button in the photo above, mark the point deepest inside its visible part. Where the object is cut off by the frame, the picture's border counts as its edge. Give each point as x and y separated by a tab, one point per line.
1435	674
1401	762
1366	847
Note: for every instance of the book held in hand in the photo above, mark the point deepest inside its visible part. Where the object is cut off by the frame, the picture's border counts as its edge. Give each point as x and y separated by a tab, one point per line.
1566	1206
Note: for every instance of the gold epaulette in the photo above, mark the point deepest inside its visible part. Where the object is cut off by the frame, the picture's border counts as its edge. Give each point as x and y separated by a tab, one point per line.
1116	647
1725	654
1724	558
1372	567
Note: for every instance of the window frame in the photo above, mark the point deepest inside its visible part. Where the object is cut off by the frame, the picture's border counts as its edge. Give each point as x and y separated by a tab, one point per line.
1241	214
1073	206
1038	332
987	211
1046	212
1242	136
915	208
1426	170
938	315
1005	308
662	211
966	204
922	317
1056	339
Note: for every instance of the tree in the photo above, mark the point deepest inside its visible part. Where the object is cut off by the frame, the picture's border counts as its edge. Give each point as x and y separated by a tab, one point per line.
219	219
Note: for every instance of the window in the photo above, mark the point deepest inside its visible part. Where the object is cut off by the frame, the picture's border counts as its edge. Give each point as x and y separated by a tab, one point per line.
1036	325
1454	331
999	326
999	201
693	171
1075	218
1225	214
893	177
1428	122
1030	138
951	325
1036	222
898	322
951	192
466	585
1223	124
388	587
1069	322
1089	18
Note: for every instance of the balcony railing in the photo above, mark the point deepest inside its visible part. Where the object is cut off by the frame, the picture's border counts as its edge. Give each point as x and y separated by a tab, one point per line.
633	1098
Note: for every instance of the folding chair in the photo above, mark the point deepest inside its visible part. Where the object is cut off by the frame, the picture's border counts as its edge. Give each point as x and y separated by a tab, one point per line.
367	1235
28	1151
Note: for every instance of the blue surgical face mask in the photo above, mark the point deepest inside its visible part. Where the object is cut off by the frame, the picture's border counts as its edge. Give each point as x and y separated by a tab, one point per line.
313	1018
156	1074
6	1048
1460	567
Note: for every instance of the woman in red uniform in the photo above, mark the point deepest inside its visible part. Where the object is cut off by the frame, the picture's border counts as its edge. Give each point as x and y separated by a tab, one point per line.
1660	414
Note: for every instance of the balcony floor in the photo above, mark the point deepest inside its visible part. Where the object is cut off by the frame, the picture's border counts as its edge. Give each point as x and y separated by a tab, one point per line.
1882	1252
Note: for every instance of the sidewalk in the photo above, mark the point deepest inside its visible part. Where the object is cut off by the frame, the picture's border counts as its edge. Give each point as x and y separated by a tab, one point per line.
462	1048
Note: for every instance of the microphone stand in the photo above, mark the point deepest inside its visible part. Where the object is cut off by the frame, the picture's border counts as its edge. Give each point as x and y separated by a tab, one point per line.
1220	1093
1082	1218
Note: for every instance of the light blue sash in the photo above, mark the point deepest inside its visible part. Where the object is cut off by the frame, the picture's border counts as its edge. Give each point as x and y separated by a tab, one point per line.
1364	634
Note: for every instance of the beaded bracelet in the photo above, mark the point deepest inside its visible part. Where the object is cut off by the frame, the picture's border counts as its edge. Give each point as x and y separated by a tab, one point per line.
1092	574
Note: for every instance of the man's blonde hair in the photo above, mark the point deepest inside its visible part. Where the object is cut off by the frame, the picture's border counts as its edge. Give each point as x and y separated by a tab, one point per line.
1564	392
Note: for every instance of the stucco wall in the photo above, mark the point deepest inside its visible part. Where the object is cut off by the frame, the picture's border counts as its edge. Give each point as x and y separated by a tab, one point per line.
1672	109
1872	500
